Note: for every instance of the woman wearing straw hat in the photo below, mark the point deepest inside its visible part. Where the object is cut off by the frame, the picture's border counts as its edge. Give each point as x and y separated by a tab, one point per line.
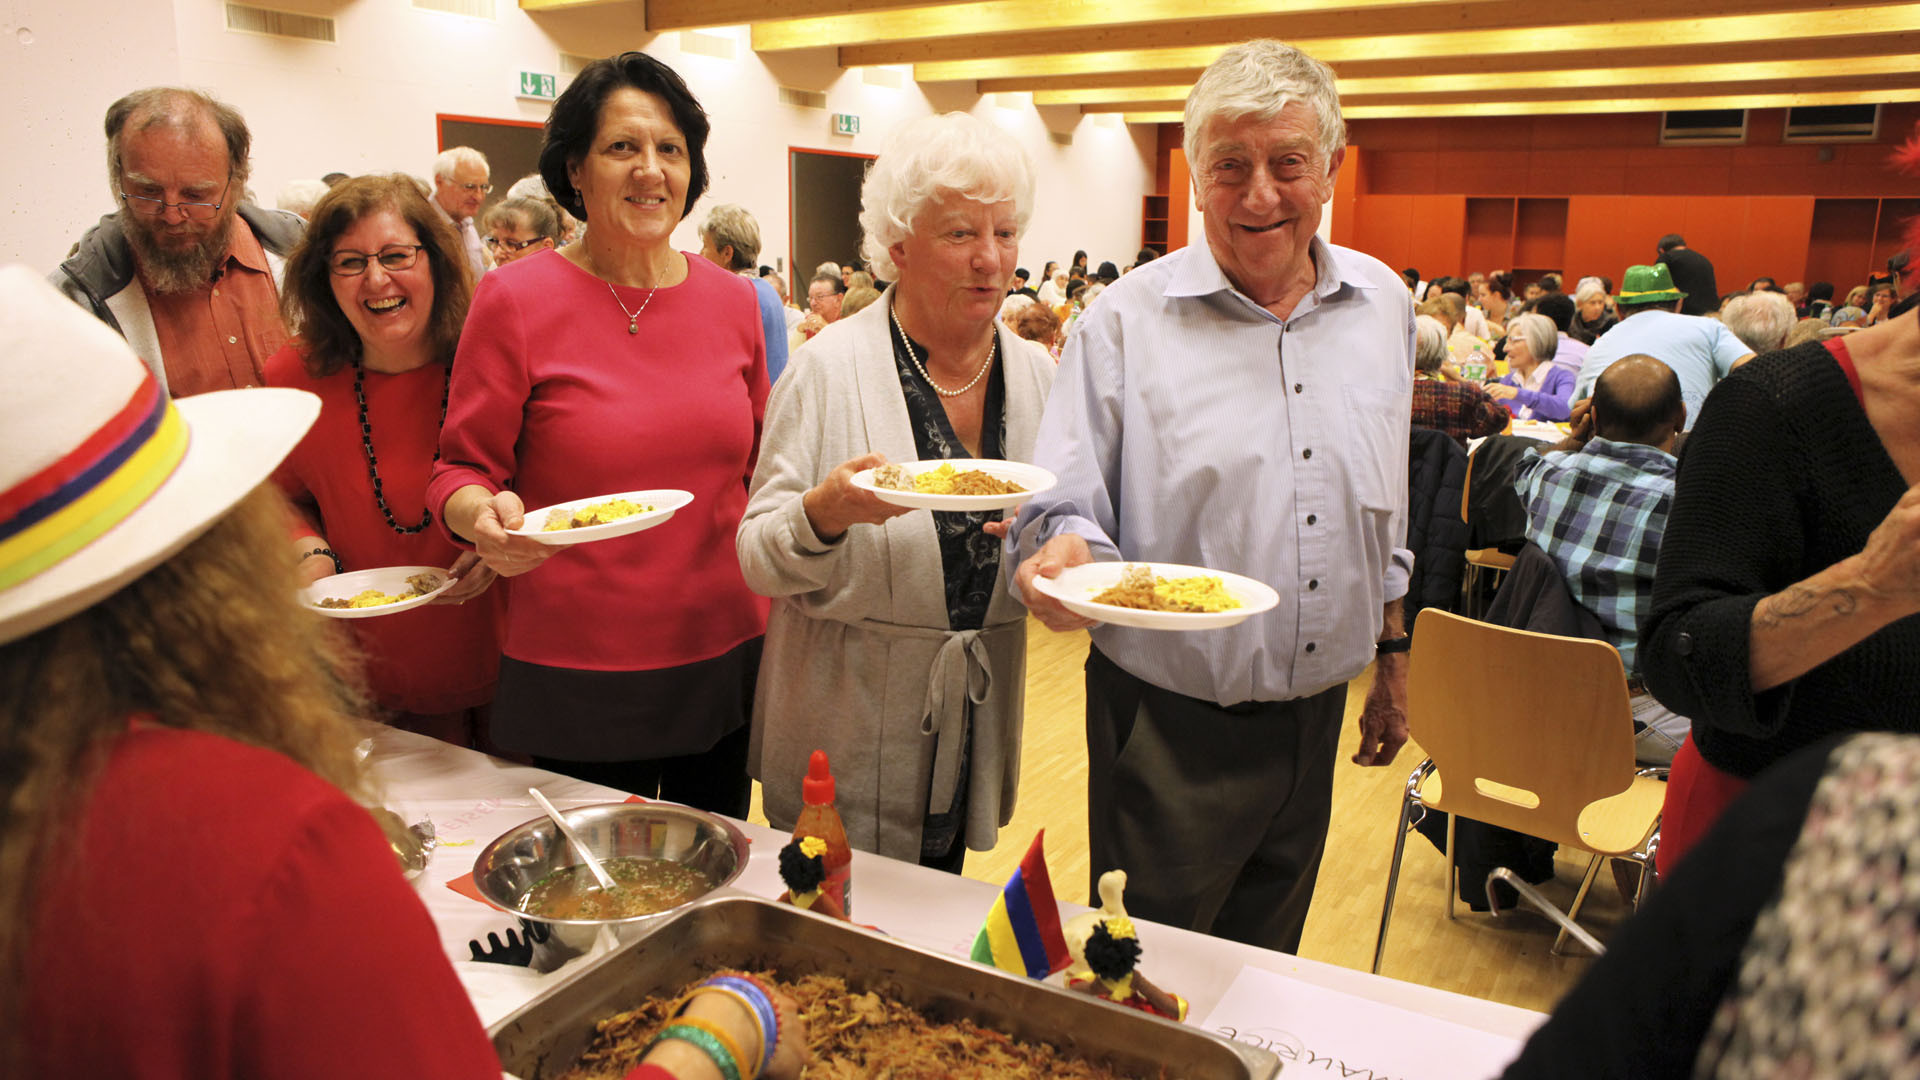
378	290
190	885
188	882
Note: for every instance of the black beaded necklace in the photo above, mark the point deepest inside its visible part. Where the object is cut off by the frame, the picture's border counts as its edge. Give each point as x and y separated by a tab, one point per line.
373	463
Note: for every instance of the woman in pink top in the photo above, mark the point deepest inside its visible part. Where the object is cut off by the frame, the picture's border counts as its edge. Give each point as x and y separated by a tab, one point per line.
617	364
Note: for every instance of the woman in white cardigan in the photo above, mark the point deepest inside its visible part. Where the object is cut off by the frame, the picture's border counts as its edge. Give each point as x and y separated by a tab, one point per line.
893	643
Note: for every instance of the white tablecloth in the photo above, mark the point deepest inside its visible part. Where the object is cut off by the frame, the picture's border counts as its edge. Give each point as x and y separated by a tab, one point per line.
473	798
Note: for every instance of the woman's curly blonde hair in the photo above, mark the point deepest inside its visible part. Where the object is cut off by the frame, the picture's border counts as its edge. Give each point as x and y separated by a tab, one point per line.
215	640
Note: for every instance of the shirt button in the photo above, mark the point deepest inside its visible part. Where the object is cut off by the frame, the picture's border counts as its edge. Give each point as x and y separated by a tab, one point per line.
1313	584
216	292
1311	518
1683	644
1304	454
1309	646
233	340
1296	388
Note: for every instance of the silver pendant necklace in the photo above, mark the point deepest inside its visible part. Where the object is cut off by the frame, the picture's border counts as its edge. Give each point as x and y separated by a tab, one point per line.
633	317
993	345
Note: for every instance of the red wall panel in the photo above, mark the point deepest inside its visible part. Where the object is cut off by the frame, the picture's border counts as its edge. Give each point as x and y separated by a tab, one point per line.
1773	243
1840	249
1437	233
1381	228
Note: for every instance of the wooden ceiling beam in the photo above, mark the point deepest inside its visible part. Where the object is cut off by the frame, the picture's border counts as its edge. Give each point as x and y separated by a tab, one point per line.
539	6
1909	80
1573	108
1756	31
696	14
1402	19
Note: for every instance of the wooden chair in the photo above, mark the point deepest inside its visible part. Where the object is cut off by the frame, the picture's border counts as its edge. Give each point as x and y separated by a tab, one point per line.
1480	561
1530	732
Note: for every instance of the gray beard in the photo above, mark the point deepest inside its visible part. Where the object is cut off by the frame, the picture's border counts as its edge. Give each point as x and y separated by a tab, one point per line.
170	270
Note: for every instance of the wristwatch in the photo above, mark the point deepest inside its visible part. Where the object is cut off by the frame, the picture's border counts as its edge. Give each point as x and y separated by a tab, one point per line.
1403	643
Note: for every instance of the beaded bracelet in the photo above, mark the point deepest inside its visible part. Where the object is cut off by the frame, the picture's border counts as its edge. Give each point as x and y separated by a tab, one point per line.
706	1035
758	1002
338	568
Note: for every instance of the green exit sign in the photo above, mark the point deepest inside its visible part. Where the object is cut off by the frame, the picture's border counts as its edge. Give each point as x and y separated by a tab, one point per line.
846	124
535	85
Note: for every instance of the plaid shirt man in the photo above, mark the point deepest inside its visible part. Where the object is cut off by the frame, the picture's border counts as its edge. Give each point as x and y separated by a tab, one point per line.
1460	409
1600	512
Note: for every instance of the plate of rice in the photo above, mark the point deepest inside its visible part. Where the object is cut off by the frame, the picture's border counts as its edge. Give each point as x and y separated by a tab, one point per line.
601	517
369	594
967	484
1158	596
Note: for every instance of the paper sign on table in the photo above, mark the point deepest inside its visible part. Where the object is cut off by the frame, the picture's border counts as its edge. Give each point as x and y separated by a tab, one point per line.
1315	1029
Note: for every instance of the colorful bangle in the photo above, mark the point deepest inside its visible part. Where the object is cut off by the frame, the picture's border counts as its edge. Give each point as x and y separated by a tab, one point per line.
328	552
758	1062
708	1037
759	1002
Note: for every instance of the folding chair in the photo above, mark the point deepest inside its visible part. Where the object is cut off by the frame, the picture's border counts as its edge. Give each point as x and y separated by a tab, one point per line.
1530	732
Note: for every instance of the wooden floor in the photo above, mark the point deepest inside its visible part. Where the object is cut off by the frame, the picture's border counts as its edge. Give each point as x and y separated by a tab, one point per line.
1505	960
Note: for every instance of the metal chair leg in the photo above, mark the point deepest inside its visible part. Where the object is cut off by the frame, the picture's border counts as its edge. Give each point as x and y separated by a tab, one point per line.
1393	879
1453	870
1579	898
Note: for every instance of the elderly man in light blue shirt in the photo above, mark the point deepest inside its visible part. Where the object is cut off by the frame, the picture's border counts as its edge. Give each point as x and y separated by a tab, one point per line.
1701	351
1243	405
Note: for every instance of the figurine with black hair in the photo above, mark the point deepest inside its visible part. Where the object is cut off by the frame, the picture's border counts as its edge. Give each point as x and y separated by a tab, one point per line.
1106	952
803	868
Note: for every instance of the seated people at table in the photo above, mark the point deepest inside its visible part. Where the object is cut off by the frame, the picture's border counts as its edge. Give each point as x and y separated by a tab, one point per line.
359	478
1852	310
893	643
730	238
1780	948
1458	407
1761	320
518	228
1221	456
1698	349
1569	352
1597	504
617	364
189	882
1450	310
1787	603
1534	387
824	294
1592	316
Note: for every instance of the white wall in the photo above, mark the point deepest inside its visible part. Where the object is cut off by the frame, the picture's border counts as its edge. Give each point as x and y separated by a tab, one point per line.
368	103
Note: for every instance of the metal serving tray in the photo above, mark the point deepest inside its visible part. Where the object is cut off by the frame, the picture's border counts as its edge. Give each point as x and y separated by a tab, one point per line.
547	1035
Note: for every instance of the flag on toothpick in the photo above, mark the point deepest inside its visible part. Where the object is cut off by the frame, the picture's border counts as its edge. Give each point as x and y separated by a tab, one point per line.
1022	932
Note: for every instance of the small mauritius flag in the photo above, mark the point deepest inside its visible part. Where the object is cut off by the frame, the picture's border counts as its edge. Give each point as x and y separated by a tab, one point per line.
1022	931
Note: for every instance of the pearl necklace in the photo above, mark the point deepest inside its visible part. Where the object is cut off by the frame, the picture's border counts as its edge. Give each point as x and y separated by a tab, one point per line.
993	344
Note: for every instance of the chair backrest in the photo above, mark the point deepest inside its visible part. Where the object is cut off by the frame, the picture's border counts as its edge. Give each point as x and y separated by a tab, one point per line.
1526	729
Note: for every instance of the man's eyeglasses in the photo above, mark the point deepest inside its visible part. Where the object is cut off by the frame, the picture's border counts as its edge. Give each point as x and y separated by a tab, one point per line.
198	211
393	257
512	245
484	189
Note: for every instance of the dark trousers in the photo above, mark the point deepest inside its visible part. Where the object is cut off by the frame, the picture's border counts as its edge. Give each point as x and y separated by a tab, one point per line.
715	780
1218	814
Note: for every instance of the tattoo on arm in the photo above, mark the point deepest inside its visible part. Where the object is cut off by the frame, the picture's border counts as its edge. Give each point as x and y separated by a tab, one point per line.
1802	600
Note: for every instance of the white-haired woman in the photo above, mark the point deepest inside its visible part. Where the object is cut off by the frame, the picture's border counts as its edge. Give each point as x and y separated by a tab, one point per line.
1591	315
1535	387
893	642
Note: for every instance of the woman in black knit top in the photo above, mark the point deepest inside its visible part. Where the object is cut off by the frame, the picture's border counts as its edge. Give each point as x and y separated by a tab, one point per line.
1785	604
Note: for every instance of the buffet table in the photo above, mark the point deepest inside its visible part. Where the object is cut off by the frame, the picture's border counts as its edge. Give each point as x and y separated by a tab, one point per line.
473	798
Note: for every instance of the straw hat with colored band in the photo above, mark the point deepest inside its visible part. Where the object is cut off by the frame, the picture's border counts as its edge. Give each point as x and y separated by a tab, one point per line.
1648	285
102	475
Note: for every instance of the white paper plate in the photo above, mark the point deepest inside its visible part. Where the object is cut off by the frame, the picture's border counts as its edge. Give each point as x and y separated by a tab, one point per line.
664	502
1077	586
1032	477
387	579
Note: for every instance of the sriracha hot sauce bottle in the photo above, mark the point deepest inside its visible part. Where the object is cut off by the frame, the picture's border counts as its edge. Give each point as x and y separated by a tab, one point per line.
819	818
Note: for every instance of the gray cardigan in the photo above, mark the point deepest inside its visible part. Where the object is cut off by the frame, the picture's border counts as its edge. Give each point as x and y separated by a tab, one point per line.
859	659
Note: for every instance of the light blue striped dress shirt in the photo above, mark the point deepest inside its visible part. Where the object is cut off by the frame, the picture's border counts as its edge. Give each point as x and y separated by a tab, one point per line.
1190	425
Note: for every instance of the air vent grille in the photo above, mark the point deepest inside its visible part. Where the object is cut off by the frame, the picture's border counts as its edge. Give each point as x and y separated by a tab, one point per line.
253	20
473	9
805	99
1703	127
1833	123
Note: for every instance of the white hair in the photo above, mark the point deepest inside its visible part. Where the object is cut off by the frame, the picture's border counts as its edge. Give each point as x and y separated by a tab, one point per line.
955	153
298	196
1256	79
1429	343
1760	320
529	186
730	225
1541	336
453	157
828	268
1590	288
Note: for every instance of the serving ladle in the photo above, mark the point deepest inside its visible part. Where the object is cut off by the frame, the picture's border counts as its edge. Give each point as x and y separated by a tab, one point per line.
599	872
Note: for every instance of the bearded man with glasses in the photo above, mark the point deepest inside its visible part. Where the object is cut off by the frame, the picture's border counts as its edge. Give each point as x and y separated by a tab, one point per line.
185	271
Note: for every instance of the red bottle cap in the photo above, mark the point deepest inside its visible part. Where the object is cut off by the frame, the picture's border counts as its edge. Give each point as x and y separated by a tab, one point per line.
817	788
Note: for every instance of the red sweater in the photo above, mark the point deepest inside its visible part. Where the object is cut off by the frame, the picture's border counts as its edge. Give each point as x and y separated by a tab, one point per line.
437	657
554	399
226	913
